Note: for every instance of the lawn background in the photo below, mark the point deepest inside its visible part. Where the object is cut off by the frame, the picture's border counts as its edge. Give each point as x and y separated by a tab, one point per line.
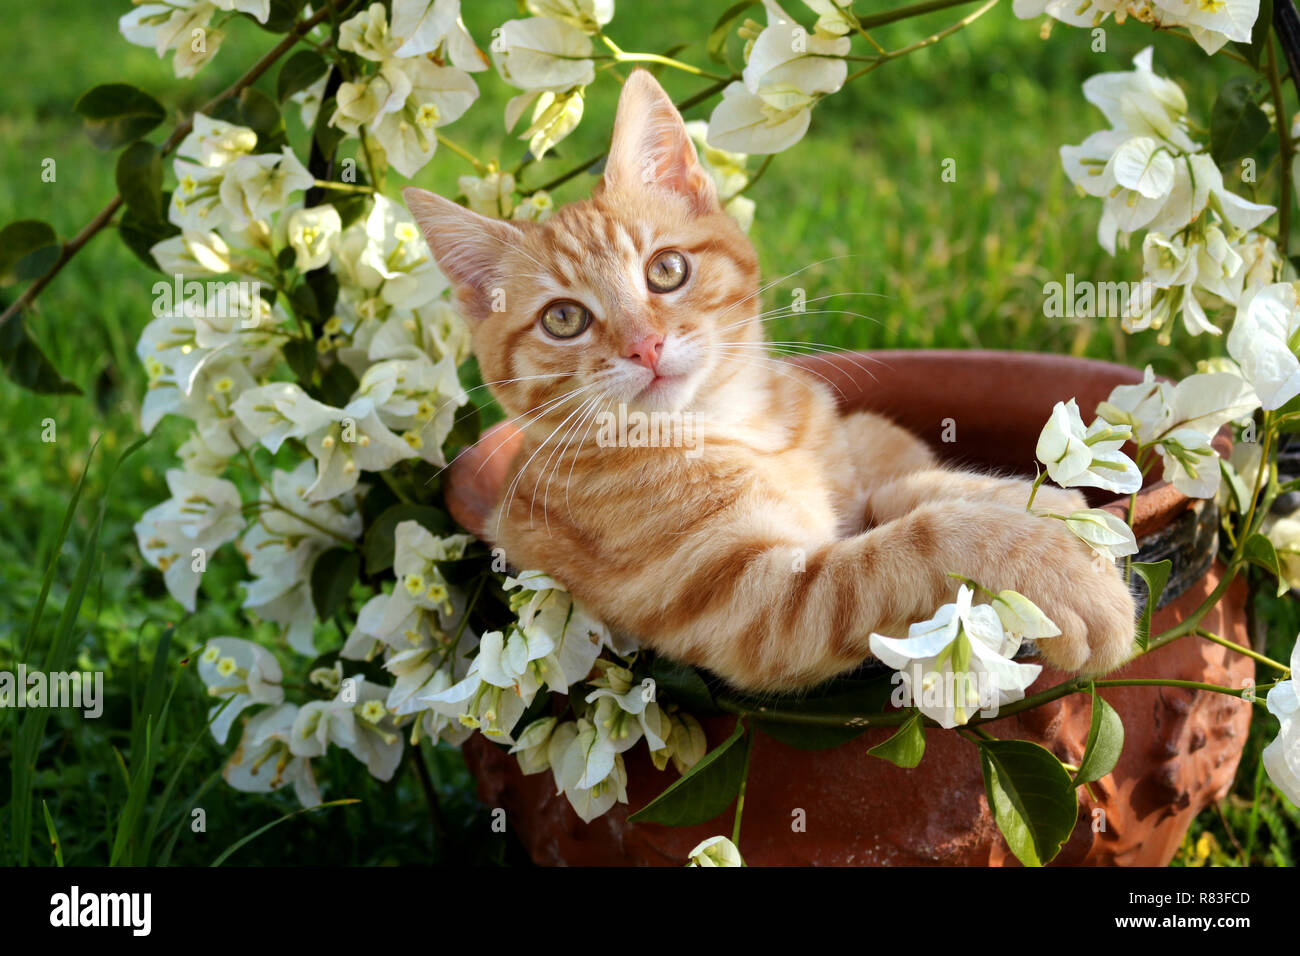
950	264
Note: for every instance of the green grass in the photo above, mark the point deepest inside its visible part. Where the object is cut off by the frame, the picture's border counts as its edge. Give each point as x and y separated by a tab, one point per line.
948	264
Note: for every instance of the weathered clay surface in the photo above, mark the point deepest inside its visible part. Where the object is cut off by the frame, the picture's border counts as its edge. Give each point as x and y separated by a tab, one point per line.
1181	749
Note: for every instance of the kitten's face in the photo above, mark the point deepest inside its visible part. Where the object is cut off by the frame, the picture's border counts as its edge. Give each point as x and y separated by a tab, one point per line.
634	297
626	297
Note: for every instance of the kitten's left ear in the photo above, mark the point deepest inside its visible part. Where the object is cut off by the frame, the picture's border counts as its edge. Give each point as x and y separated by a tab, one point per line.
467	247
652	148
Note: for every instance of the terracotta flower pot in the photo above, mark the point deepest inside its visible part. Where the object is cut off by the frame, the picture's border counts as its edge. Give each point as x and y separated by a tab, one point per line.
843	807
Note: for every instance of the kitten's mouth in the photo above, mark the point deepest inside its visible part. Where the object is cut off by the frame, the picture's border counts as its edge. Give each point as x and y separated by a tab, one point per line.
660	384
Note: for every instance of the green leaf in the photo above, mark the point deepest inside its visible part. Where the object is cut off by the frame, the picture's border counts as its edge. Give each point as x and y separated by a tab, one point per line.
140	233
116	114
905	748
381	536
681	684
139	179
262	116
1237	125
1254	50
301	356
25	363
332	577
281	16
337	385
705	790
54	835
717	42
848	697
1105	742
1156	575
28	248
1258	550
299	72
1032	798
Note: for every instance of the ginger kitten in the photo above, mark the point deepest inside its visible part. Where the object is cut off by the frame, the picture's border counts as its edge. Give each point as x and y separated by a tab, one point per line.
769	549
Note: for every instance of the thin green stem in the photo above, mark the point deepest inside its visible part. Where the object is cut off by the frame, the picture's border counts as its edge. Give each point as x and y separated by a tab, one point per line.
1253	655
744	780
907	12
927	41
462	152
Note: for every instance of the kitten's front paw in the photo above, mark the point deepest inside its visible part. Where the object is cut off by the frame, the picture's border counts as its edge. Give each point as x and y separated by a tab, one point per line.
1095	611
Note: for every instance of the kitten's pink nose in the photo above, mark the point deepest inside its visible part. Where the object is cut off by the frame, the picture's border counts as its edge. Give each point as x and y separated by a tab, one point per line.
647	350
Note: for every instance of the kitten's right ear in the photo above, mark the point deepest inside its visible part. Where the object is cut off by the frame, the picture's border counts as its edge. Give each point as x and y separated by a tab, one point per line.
467	247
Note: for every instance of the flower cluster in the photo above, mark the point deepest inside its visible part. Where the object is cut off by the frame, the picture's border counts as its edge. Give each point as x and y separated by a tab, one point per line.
1199	249
787	71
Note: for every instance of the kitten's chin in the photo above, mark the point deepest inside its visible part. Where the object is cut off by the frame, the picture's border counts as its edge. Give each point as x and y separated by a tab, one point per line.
666	393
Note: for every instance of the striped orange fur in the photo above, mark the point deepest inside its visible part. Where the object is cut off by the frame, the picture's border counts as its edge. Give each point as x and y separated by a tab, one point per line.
772	549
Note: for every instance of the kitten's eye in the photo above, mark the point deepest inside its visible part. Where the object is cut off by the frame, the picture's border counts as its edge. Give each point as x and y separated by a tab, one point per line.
667	271
565	319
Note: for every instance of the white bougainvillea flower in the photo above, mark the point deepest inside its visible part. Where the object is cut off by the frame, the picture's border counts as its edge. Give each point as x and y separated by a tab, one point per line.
241	671
834	17
311	234
383	262
263	762
686	743
258	186
1211	24
959	663
590	776
1180	422
555	116
367	34
361	102
1103	532
491	195
192	253
1091	457
1263	341
1282	756
180	535
587	15
786	57
541	53
626	711
436	330
276	413
476	703
417	553
531	748
1138	102
715	851
282	545
355	720
437	95
427	25
214	142
1021	617
208	403
543	607
180	25
744	122
1284	533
